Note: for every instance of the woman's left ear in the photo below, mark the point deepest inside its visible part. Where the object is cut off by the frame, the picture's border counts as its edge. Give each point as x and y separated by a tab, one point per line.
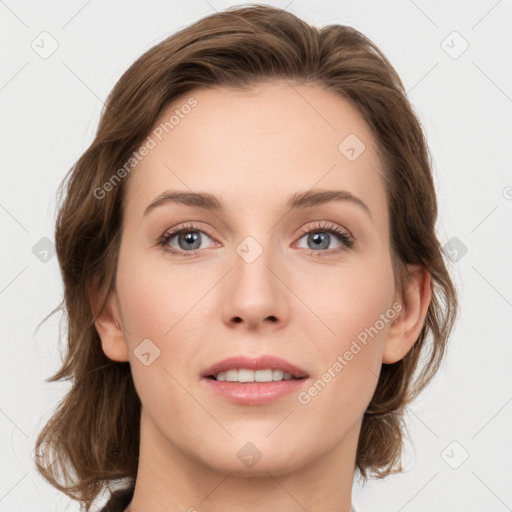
405	329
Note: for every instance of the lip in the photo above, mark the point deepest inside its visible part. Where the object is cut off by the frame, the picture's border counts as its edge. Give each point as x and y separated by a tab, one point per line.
254	393
263	362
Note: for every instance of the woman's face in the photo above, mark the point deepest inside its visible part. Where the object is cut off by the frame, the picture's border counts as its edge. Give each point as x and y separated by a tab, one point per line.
248	279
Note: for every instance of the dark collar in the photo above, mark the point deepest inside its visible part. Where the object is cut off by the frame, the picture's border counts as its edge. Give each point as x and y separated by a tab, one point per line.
120	499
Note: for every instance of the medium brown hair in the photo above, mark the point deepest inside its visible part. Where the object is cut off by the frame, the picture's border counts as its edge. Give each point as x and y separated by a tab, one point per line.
94	432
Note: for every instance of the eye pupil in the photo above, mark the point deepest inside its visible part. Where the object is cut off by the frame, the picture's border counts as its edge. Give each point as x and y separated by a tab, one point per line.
319	238
190	238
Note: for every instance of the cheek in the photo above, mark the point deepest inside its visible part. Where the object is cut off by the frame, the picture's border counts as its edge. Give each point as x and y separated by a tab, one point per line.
348	359
357	295
355	308
153	296
154	304
160	307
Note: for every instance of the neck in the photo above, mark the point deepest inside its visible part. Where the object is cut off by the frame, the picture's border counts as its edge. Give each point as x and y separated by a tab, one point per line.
170	479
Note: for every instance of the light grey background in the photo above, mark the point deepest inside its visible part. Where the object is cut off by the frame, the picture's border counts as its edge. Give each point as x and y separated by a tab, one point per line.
49	110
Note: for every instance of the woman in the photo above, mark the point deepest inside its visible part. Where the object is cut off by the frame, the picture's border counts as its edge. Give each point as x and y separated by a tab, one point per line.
251	274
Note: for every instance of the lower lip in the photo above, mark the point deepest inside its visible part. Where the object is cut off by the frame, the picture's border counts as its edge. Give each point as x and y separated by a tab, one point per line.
254	393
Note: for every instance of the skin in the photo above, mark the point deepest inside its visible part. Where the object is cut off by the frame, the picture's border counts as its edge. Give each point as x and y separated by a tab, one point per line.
254	150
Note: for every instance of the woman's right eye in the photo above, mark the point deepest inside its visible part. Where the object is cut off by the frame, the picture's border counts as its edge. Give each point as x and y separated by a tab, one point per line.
183	241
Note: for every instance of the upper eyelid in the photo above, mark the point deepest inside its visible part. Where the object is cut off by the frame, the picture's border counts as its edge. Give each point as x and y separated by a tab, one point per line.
327	226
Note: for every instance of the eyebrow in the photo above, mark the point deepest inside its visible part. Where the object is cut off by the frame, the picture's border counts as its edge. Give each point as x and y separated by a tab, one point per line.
299	201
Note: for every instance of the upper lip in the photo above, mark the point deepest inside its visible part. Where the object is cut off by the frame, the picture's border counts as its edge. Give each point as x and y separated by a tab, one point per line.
263	362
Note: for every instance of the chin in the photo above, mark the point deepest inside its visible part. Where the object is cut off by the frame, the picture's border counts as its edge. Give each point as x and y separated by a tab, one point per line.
256	459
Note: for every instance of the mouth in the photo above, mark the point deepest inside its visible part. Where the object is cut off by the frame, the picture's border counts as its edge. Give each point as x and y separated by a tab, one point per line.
255	382
245	375
264	369
246	381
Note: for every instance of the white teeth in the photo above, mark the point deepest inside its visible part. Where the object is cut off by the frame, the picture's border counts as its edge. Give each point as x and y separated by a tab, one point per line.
277	374
244	375
232	375
263	376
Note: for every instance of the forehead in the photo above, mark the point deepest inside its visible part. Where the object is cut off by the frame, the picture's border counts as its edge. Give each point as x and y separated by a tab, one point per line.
256	147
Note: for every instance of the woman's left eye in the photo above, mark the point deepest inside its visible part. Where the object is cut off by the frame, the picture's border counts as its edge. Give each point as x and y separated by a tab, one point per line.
188	239
320	237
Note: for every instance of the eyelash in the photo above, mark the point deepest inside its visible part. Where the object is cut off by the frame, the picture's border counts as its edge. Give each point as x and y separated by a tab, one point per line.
346	239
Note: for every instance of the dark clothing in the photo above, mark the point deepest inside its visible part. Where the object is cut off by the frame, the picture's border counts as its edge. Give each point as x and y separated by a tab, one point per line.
119	500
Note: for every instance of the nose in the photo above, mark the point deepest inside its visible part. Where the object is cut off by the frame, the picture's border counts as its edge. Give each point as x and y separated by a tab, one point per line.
256	295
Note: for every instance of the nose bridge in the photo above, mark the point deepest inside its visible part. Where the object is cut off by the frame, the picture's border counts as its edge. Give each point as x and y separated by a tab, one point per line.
254	258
